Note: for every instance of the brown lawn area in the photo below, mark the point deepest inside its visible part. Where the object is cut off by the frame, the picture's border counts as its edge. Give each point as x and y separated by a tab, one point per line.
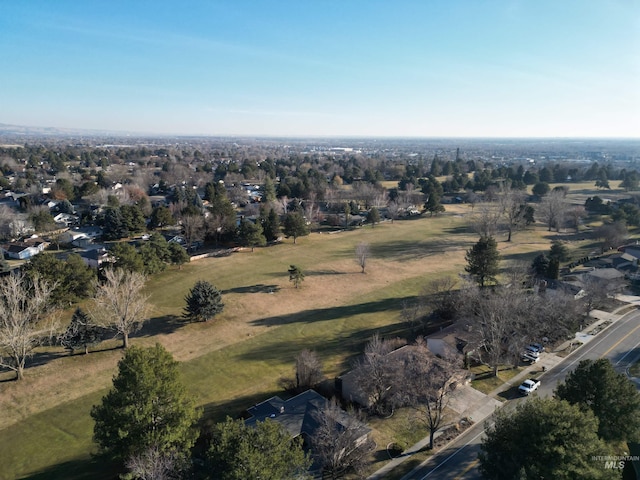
335	311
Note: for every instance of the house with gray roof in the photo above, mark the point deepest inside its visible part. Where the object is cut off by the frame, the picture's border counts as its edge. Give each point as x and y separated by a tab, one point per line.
298	415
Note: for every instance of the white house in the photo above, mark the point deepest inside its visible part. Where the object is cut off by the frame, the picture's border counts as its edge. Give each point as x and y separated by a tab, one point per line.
96	257
20	250
66	219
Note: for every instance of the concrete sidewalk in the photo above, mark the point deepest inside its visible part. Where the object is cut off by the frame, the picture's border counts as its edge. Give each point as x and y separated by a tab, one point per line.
483	405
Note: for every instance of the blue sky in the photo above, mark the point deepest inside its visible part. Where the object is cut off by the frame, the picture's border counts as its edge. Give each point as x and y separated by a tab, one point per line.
425	68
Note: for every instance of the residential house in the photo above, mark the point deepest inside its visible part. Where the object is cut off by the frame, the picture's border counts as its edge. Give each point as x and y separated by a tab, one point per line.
159	201
453	339
609	275
38	242
71	236
20	250
10	199
89	232
50	204
633	250
624	262
66	219
96	257
298	415
570	285
174	237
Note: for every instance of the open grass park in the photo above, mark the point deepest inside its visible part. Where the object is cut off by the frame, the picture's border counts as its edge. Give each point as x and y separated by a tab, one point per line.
237	359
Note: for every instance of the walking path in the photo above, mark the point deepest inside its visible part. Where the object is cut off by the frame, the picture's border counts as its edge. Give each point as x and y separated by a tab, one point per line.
481	406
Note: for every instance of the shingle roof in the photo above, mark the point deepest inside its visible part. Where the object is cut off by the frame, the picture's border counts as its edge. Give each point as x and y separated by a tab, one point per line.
298	414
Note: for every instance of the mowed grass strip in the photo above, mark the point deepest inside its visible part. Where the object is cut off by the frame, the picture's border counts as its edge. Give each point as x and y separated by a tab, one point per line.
237	359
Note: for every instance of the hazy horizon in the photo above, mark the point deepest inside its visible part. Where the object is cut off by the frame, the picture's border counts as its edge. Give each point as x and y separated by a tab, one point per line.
408	69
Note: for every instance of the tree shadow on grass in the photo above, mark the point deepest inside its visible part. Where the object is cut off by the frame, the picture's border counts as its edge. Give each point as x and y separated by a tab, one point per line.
460	230
350	345
85	469
259	288
41	358
323	272
526	257
160	326
409	250
331	313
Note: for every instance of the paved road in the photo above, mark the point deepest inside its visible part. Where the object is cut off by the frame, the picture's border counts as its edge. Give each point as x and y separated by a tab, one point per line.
620	343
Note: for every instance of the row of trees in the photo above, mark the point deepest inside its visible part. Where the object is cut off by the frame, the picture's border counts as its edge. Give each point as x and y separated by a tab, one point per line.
502	320
29	316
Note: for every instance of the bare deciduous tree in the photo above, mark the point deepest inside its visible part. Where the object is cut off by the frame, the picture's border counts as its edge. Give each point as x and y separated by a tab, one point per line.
153	464
340	443
517	273
120	303
575	215
486	220
412	312
282	205
471	198
612	235
410	196
381	199
376	375
365	192
598	291
429	385
393	210
512	203
193	228
362	254
558	314
24	323
308	370
501	319
7	217
440	295
553	210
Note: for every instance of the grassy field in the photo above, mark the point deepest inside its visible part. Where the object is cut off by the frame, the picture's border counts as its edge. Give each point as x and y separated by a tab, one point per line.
235	361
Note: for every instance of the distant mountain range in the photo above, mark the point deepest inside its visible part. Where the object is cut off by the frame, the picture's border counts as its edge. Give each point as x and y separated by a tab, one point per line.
29	131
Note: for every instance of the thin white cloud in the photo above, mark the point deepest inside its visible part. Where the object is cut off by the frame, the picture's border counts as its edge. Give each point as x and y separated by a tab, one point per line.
171	40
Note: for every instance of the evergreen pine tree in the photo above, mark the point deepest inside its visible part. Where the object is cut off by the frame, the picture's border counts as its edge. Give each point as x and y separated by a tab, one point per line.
295	275
81	332
373	216
147	408
483	260
204	301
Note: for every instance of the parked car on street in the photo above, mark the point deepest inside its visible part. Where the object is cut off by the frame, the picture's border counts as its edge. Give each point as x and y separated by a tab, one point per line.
529	386
538	347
